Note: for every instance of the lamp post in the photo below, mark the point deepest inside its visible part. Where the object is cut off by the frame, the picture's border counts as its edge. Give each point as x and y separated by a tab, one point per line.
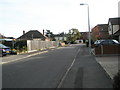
89	35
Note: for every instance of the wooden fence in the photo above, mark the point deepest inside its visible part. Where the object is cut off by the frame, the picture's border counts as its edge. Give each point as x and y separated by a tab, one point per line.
107	49
40	45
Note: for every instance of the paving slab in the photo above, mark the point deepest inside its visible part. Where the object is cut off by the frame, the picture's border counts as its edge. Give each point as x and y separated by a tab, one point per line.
109	63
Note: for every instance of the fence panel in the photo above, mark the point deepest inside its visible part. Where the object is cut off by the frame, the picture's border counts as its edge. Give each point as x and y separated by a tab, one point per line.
107	49
38	44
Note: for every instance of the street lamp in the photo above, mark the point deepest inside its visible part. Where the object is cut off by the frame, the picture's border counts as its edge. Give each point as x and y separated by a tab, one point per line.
89	36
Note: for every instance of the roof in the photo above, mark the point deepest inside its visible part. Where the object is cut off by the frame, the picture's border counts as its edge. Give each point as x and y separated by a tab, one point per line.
104	27
115	21
32	34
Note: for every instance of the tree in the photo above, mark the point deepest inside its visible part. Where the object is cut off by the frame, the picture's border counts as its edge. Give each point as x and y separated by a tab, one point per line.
49	34
73	35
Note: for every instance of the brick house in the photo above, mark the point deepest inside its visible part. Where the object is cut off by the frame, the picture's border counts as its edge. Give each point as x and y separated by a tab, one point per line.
100	31
84	36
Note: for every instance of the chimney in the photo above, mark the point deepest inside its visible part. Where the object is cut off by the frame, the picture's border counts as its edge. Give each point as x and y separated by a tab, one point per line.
23	32
43	31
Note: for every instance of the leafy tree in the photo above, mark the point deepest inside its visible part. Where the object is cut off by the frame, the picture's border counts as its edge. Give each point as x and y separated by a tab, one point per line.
73	35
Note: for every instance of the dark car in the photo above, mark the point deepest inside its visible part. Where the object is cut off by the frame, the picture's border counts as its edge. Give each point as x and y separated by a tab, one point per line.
4	50
106	42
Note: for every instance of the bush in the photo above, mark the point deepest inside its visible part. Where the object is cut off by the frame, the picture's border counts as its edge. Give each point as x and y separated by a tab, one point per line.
116	81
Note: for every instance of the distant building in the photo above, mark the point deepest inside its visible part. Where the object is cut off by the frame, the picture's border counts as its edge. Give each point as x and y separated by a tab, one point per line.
84	36
100	31
32	34
60	37
114	28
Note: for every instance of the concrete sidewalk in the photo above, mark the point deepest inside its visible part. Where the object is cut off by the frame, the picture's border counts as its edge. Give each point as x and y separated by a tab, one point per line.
109	63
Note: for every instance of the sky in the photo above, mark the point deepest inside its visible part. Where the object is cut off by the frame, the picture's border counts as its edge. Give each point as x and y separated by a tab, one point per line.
54	15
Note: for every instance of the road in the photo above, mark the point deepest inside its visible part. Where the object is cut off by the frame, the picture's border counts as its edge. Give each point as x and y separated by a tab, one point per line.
66	67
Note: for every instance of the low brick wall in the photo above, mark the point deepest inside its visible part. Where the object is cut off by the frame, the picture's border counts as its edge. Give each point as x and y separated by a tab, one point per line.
107	49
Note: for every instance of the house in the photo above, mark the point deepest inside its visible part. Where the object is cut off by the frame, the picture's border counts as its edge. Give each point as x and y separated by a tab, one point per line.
84	36
114	28
60	37
100	31
32	34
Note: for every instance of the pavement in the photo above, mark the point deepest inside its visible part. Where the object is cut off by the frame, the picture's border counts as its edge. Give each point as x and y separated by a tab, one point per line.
109	64
86	72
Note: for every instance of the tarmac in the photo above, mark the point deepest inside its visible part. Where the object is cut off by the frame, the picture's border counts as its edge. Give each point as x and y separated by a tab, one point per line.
108	62
85	71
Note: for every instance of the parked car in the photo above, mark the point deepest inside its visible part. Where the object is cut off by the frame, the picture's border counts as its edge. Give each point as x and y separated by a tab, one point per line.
106	42
4	50
97	42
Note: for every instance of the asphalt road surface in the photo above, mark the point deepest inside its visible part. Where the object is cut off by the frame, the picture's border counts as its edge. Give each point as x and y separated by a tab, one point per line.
66	67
